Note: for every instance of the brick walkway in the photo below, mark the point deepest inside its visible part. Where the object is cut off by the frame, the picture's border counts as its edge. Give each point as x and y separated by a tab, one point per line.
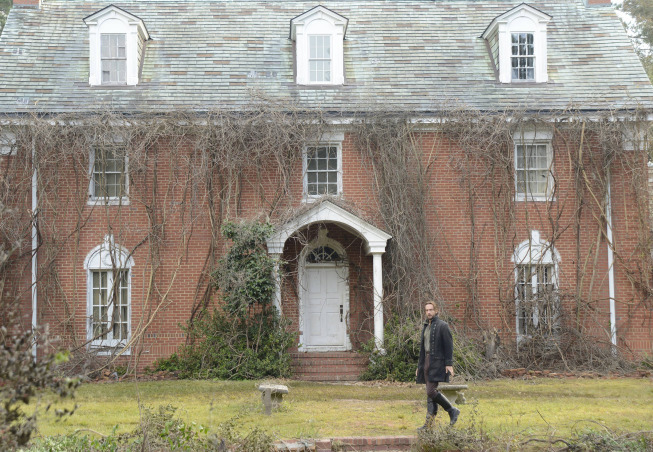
356	443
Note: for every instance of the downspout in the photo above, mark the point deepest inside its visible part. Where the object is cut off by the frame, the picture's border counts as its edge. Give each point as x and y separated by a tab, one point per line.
608	226
34	249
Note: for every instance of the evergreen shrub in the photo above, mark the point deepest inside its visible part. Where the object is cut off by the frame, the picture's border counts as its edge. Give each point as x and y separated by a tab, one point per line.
243	337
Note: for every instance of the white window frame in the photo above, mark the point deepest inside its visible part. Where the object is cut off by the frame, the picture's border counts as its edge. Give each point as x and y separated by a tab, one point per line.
113	20
534	252
526	56
330	143
314	58
7	143
534	137
319	21
93	199
107	257
104	58
521	19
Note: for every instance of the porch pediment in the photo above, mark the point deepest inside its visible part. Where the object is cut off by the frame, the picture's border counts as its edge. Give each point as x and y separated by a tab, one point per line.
327	212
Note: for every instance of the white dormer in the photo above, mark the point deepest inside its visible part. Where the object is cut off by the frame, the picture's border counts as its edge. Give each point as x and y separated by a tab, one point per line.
319	35
517	42
116	45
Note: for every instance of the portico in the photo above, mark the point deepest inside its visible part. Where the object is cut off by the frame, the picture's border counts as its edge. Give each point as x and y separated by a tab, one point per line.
322	275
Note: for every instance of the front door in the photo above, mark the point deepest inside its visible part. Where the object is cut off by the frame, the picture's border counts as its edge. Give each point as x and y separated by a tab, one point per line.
325	309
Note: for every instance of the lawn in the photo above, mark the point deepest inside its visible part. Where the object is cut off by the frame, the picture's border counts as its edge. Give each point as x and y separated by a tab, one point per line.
311	410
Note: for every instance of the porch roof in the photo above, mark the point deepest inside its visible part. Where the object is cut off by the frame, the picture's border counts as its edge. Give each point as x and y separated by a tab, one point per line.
327	212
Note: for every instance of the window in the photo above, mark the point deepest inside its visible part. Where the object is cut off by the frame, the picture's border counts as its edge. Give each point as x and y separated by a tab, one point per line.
114	58
322	170
523	56
517	41
319	58
7	143
319	52
109	294
533	171
537	301
109	174
116	47
323	254
534	180
536	296
110	300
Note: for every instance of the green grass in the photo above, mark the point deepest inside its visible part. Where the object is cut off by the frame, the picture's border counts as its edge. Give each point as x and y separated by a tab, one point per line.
500	407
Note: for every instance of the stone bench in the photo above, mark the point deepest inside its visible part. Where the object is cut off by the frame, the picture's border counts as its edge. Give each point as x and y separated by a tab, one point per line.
454	393
272	396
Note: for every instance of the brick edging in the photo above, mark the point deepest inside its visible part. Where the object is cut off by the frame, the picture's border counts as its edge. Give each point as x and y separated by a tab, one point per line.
349	443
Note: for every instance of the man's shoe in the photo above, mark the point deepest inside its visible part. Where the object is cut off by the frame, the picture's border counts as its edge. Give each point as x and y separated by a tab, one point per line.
427	424
453	415
431	411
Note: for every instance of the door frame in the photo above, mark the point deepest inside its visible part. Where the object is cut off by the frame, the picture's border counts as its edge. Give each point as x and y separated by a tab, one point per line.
322	240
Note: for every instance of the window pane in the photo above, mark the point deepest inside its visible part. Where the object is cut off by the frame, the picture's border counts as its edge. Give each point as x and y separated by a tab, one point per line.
113	56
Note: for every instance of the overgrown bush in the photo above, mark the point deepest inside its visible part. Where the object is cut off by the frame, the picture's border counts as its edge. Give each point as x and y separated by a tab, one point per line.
21	379
607	441
401	346
161	430
243	338
233	347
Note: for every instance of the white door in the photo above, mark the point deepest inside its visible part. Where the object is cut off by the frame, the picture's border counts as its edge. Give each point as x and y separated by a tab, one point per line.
325	310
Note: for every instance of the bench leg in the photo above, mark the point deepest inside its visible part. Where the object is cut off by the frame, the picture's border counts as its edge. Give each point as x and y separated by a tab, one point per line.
267	401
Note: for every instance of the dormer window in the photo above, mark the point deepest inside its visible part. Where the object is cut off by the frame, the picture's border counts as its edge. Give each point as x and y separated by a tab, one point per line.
318	36
523	56
113	54
116	45
517	41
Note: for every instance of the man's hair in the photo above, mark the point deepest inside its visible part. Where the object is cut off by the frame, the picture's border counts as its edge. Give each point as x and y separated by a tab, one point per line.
430	303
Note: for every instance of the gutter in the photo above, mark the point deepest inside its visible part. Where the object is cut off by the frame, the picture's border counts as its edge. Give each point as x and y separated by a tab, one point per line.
34	250
611	288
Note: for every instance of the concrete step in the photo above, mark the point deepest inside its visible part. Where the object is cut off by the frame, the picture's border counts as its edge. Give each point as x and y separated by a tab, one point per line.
359	443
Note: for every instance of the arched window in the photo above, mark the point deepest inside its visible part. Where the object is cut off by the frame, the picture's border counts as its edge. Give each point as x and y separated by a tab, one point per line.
108	294
323	254
536	287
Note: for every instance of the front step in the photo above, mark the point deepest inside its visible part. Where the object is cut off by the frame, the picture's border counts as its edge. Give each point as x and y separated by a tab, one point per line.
364	443
328	366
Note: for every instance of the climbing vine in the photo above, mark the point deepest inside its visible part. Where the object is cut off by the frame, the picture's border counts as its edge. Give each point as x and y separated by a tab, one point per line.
194	170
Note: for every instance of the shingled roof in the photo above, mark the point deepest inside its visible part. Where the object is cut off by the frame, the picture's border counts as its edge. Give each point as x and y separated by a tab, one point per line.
417	55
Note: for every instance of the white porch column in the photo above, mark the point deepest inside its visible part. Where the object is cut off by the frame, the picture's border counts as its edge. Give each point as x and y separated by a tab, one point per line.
277	282
378	299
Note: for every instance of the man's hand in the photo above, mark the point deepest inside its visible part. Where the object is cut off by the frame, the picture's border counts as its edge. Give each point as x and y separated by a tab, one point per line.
450	370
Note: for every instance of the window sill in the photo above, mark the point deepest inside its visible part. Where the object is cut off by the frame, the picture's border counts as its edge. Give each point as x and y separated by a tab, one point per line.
320	85
310	199
108	348
534	198
108	202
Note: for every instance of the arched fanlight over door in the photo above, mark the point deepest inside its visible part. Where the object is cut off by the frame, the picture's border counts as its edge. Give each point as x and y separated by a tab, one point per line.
323	255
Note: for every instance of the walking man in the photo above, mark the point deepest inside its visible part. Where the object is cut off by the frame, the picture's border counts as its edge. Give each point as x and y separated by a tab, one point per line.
435	364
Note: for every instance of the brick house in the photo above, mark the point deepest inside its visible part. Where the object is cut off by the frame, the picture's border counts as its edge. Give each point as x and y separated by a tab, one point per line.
538	231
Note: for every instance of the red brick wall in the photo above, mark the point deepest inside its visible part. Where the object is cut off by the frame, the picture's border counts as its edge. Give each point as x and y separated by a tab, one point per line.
179	246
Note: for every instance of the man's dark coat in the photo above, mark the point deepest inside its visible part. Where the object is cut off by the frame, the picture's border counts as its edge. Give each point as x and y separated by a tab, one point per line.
441	352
